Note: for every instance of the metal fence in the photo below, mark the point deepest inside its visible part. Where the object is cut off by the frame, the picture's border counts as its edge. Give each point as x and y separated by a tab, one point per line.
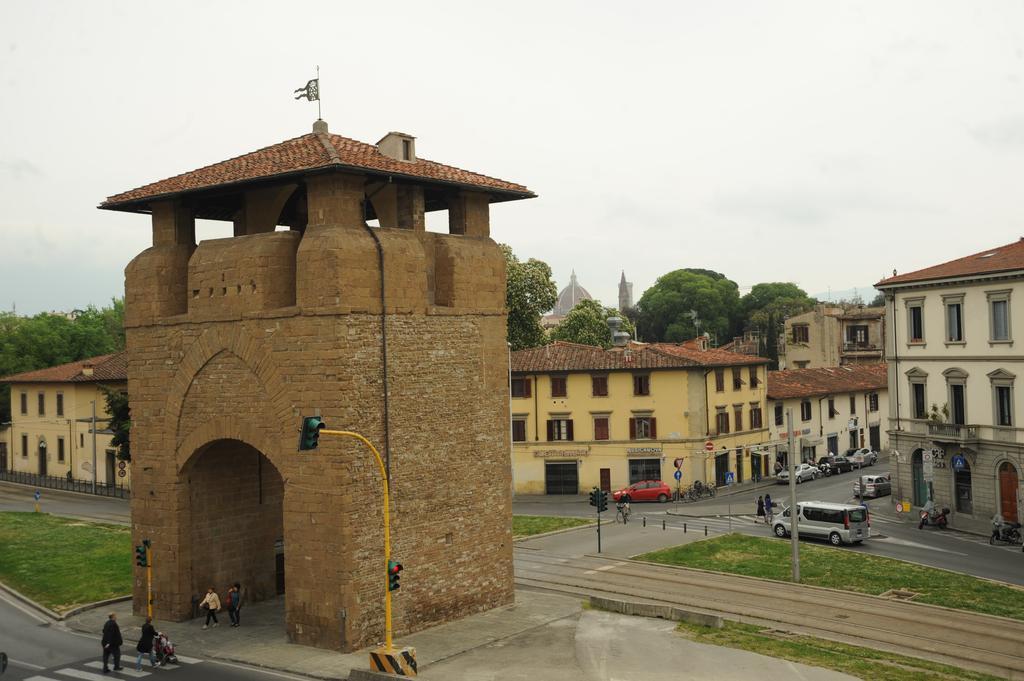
68	484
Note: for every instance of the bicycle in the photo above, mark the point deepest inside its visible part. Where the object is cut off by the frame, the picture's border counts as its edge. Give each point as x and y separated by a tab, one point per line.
622	512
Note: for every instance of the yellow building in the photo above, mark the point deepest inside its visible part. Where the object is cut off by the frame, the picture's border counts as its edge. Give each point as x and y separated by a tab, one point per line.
49	435
585	417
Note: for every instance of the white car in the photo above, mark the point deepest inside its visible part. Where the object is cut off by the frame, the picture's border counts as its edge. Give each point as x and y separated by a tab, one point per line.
804	472
861	457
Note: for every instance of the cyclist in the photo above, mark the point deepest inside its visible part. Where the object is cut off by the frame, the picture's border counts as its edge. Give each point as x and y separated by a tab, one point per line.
622	511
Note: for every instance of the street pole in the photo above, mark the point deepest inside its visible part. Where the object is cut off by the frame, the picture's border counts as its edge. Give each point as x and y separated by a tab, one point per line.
387	528
599	525
794	530
149	581
93	430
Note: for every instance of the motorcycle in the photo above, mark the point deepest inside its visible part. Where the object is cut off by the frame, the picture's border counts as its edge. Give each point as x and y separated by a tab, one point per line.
1003	531
931	516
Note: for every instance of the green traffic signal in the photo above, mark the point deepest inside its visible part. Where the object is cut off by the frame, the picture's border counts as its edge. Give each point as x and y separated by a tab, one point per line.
142	555
309	437
394	568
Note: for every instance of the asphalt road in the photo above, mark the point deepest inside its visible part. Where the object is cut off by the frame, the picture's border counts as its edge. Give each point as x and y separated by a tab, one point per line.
893	536
14	497
40	650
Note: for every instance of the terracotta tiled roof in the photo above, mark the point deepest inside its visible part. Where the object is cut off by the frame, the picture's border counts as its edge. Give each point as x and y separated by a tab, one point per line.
563	356
307	153
105	368
826	381
1000	259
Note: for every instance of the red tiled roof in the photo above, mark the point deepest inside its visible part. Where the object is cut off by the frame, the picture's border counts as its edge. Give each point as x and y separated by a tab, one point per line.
826	380
307	153
563	356
1000	259
112	367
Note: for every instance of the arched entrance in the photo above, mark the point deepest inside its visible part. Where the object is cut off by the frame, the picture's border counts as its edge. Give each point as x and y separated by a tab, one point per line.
1008	483
236	529
917	477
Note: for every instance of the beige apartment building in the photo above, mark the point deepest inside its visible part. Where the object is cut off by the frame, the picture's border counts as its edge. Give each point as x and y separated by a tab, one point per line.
830	336
954	358
48	435
834	408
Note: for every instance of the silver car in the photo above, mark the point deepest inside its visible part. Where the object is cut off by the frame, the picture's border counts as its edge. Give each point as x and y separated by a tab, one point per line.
874	485
861	457
838	523
804	472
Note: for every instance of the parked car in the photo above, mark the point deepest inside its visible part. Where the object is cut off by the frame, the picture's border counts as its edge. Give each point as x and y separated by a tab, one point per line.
838	523
645	490
804	472
861	457
874	485
834	465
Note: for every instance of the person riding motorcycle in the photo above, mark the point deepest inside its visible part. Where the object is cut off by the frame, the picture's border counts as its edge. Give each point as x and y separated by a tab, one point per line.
1003	530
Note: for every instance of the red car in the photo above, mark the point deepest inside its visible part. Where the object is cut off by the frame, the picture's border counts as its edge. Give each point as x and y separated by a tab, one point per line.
645	490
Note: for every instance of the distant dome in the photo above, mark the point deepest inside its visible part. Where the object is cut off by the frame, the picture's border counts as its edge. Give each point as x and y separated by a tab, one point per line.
570	296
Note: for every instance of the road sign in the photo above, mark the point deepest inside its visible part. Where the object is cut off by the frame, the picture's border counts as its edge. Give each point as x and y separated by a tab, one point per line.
121	464
927	465
709	446
37	495
959	462
678	463
852	424
899	507
678	475
729	477
121	473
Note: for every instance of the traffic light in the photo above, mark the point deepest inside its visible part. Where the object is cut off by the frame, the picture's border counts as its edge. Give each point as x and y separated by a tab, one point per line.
394	568
142	554
309	438
602	500
595	497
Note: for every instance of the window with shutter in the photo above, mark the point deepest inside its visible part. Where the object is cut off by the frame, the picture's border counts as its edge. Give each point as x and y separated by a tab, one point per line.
654	428
24	404
779	416
738	412
600	386
754	380
600	427
632	428
568	430
521	387
642	384
551	430
719	380
558	386
518	430
853	404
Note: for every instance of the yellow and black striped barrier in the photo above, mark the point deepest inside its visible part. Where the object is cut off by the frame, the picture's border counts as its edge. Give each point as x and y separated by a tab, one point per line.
400	662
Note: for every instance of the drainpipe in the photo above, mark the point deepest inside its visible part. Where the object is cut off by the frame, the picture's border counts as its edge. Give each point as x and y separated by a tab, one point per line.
821	420
707	407
536	414
896	360
383	331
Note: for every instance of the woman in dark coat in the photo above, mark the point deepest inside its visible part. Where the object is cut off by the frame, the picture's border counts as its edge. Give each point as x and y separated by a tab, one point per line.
760	507
145	646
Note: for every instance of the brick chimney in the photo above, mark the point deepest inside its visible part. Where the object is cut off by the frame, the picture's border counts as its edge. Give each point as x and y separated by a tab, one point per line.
87	369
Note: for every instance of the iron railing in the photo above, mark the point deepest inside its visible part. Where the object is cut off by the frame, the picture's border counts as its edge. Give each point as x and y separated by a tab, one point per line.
119	490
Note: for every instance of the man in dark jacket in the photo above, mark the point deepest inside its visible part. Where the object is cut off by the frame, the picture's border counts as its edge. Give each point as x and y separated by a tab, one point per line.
112	642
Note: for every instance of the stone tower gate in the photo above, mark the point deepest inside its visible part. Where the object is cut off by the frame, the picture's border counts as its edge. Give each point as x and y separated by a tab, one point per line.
388	330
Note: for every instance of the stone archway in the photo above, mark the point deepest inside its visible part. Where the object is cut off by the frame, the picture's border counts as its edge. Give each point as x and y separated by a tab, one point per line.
236	520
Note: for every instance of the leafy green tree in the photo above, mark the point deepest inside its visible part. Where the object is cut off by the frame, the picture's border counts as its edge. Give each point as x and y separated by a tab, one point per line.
529	293
666	309
766	307
45	340
120	420
587	323
878	301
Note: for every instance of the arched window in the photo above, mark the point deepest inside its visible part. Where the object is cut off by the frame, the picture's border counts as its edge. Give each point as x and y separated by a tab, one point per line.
962	485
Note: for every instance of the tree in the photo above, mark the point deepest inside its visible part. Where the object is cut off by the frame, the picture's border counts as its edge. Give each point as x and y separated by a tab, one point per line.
587	323
665	308
878	301
529	293
766	307
45	340
120	421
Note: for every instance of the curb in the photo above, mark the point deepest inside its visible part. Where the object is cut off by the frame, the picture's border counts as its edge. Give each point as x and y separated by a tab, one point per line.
52	614
554	532
665	612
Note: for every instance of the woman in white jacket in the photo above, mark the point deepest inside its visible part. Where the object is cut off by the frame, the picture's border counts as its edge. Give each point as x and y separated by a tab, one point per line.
212	605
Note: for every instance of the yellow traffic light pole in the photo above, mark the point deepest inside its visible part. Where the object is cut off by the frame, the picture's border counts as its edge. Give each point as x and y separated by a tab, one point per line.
149	581
387	527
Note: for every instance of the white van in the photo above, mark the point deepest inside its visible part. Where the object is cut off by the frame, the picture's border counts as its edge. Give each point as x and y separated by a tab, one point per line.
838	523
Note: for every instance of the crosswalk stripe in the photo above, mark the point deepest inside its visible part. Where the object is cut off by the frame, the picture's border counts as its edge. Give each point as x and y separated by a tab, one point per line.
79	674
187	660
95	664
40	678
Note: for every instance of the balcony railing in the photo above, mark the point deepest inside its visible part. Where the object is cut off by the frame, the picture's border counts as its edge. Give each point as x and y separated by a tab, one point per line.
855	346
968	433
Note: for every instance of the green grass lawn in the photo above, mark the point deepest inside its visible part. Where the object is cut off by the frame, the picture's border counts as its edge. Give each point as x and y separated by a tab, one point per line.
62	563
848	570
863	663
529	525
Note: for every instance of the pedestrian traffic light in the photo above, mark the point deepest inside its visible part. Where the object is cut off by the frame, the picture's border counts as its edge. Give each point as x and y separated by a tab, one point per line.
394	568
602	501
309	438
595	497
142	555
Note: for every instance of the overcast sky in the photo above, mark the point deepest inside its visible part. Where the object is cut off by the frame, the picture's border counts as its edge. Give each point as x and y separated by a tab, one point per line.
824	143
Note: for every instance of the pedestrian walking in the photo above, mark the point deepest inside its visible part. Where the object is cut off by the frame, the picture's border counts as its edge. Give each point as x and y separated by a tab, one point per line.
145	646
769	511
112	643
211	604
231	601
238	604
760	507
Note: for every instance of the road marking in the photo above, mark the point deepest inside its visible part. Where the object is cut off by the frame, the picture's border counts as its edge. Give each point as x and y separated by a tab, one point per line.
188	660
79	674
40	678
268	672
904	542
25	609
96	664
605	567
29	665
